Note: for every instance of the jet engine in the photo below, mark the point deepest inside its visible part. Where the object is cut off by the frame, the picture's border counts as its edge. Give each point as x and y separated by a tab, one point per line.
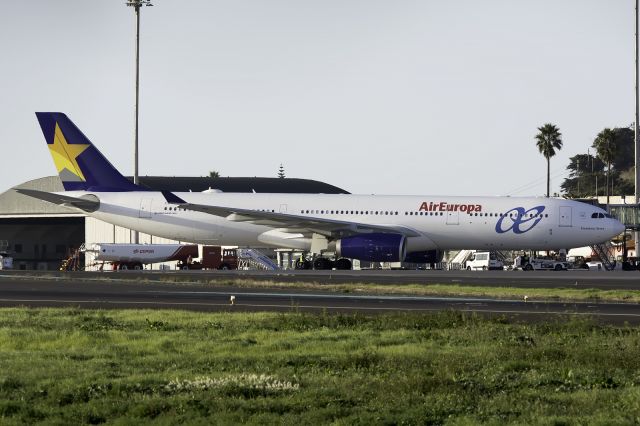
373	247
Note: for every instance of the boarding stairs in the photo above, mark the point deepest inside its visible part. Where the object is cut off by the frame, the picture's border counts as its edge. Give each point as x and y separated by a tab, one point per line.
72	262
604	252
503	256
253	259
460	259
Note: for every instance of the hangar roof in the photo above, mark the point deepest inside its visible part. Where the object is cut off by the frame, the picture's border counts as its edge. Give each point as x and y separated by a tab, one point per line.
14	204
240	184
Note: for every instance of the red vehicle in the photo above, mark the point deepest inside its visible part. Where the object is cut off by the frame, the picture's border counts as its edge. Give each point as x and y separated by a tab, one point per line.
213	257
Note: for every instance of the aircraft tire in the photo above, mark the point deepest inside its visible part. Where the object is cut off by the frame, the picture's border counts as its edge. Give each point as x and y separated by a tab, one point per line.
322	263
343	264
528	267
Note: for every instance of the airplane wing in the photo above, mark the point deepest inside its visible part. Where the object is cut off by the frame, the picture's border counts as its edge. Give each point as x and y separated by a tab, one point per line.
88	203
302	224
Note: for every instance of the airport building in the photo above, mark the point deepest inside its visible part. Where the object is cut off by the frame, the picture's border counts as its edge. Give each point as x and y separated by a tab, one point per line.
40	235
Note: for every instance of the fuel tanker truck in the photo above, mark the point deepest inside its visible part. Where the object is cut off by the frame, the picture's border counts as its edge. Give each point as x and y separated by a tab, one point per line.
134	256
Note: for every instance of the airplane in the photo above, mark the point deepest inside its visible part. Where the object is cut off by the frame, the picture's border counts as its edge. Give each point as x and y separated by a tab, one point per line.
376	228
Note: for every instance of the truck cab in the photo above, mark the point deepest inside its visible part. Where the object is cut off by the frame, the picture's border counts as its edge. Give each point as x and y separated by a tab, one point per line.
214	257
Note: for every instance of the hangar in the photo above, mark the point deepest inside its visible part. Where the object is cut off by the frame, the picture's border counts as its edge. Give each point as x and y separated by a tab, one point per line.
39	235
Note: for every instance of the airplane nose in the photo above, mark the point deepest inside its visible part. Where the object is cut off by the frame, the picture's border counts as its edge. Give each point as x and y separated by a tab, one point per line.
618	227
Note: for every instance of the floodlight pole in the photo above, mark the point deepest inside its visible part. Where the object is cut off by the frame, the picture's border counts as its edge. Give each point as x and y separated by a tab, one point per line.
636	235
136	4
136	178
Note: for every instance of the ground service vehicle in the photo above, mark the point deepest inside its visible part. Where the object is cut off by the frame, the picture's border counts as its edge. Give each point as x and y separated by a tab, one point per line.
134	256
484	260
545	264
6	261
213	257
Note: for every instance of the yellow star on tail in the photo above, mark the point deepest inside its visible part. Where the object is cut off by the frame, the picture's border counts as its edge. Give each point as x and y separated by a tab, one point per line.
65	154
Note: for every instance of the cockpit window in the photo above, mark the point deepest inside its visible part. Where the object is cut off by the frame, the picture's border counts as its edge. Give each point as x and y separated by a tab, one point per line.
597	215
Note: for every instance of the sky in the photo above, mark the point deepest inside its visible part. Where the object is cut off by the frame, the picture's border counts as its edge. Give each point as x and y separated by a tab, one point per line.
376	97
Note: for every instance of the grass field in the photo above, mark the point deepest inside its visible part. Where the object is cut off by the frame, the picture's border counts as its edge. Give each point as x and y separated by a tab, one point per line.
68	366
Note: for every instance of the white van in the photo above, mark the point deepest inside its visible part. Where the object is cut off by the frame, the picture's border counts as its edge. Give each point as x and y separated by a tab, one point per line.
484	260
6	262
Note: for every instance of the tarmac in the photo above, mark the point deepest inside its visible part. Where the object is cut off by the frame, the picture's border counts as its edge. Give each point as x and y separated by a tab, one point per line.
143	289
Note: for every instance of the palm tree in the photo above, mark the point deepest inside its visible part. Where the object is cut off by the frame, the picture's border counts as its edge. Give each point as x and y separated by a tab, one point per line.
605	145
548	140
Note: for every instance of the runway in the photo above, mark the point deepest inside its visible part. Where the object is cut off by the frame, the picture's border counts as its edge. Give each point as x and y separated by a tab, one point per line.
605	280
87	290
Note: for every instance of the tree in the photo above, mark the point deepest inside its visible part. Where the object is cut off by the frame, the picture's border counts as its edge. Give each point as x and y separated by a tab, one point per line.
584	172
214	174
605	145
625	149
281	172
548	140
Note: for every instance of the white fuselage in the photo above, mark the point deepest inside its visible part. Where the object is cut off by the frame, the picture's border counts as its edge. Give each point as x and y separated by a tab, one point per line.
491	223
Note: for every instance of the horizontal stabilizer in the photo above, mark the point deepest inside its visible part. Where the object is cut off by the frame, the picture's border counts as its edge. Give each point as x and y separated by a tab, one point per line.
87	203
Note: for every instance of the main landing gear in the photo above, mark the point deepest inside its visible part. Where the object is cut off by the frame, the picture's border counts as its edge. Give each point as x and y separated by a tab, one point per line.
324	263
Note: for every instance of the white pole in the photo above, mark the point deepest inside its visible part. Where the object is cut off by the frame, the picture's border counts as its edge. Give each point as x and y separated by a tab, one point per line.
636	236
136	179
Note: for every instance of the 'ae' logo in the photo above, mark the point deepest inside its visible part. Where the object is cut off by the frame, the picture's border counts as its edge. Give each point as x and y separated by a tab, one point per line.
519	220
